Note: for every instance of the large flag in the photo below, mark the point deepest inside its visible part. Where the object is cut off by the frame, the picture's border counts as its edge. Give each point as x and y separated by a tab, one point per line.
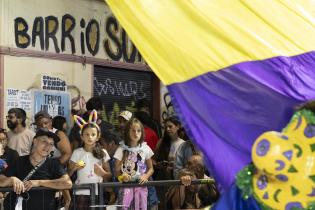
234	68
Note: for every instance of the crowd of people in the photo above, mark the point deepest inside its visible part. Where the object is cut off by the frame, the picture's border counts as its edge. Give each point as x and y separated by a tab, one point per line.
94	151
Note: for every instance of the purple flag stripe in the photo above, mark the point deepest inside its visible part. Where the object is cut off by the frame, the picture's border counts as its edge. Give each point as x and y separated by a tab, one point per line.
225	111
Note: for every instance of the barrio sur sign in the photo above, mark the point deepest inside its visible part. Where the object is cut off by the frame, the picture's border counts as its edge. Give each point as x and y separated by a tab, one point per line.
116	44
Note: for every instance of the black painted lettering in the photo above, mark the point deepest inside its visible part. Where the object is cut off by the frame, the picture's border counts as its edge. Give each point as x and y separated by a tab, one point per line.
68	24
38	30
82	25
51	28
125	49
92	35
22	39
115	52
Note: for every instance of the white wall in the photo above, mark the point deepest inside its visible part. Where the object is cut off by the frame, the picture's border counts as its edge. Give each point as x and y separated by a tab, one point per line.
78	9
24	73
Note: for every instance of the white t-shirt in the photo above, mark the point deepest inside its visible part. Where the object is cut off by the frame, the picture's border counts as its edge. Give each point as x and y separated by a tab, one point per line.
57	152
174	147
144	151
21	142
86	174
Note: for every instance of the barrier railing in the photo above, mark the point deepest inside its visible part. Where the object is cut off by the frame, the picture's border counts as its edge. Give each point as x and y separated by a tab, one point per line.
103	186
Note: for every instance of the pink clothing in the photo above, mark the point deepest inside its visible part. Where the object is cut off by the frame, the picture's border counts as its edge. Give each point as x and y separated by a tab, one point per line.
138	195
135	166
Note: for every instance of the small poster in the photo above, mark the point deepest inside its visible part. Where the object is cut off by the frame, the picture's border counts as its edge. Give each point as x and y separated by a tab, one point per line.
54	102
53	83
19	98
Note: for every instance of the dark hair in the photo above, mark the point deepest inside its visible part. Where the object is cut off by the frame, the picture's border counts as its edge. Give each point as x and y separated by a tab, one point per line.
42	114
19	113
163	150
75	135
98	151
182	134
110	137
308	106
144	118
142	103
94	103
58	121
185	172
127	131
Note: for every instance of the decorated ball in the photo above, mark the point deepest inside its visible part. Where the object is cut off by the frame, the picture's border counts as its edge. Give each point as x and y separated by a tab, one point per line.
285	164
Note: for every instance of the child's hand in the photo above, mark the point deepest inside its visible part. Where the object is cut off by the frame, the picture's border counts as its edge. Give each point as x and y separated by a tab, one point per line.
186	180
98	170
126	177
143	179
79	165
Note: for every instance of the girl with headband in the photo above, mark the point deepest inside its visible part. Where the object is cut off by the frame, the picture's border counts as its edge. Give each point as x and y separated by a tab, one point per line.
90	161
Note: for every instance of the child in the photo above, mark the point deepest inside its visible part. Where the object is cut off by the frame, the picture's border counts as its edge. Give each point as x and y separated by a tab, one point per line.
134	164
90	161
184	196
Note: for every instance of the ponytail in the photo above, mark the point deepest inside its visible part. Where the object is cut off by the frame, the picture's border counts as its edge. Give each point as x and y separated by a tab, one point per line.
98	151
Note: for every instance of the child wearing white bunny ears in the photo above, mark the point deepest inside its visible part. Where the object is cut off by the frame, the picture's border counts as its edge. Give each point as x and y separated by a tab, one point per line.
90	161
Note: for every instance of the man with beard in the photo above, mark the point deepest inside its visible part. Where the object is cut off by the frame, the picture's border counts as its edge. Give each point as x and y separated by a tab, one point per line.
20	137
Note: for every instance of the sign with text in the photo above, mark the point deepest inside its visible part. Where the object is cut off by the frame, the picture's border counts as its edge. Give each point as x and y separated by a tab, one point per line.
85	28
54	102
19	98
53	83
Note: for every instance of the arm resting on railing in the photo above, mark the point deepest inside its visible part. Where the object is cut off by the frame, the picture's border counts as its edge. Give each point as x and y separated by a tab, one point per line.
60	184
145	177
14	182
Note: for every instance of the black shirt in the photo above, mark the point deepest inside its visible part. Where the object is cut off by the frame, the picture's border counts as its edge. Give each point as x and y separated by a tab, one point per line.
9	156
38	199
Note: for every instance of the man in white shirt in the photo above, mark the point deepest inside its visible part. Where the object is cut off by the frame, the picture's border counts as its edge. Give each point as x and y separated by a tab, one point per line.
20	138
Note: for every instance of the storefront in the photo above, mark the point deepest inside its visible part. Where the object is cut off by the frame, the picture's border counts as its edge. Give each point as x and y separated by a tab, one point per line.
55	55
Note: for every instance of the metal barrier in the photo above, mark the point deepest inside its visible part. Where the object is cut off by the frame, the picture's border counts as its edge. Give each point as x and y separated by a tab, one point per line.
103	186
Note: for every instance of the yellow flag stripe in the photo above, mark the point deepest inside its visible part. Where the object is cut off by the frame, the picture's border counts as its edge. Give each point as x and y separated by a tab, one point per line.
181	39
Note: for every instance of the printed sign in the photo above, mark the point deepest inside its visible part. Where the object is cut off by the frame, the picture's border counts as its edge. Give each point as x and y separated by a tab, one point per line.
53	83
54	102
19	98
